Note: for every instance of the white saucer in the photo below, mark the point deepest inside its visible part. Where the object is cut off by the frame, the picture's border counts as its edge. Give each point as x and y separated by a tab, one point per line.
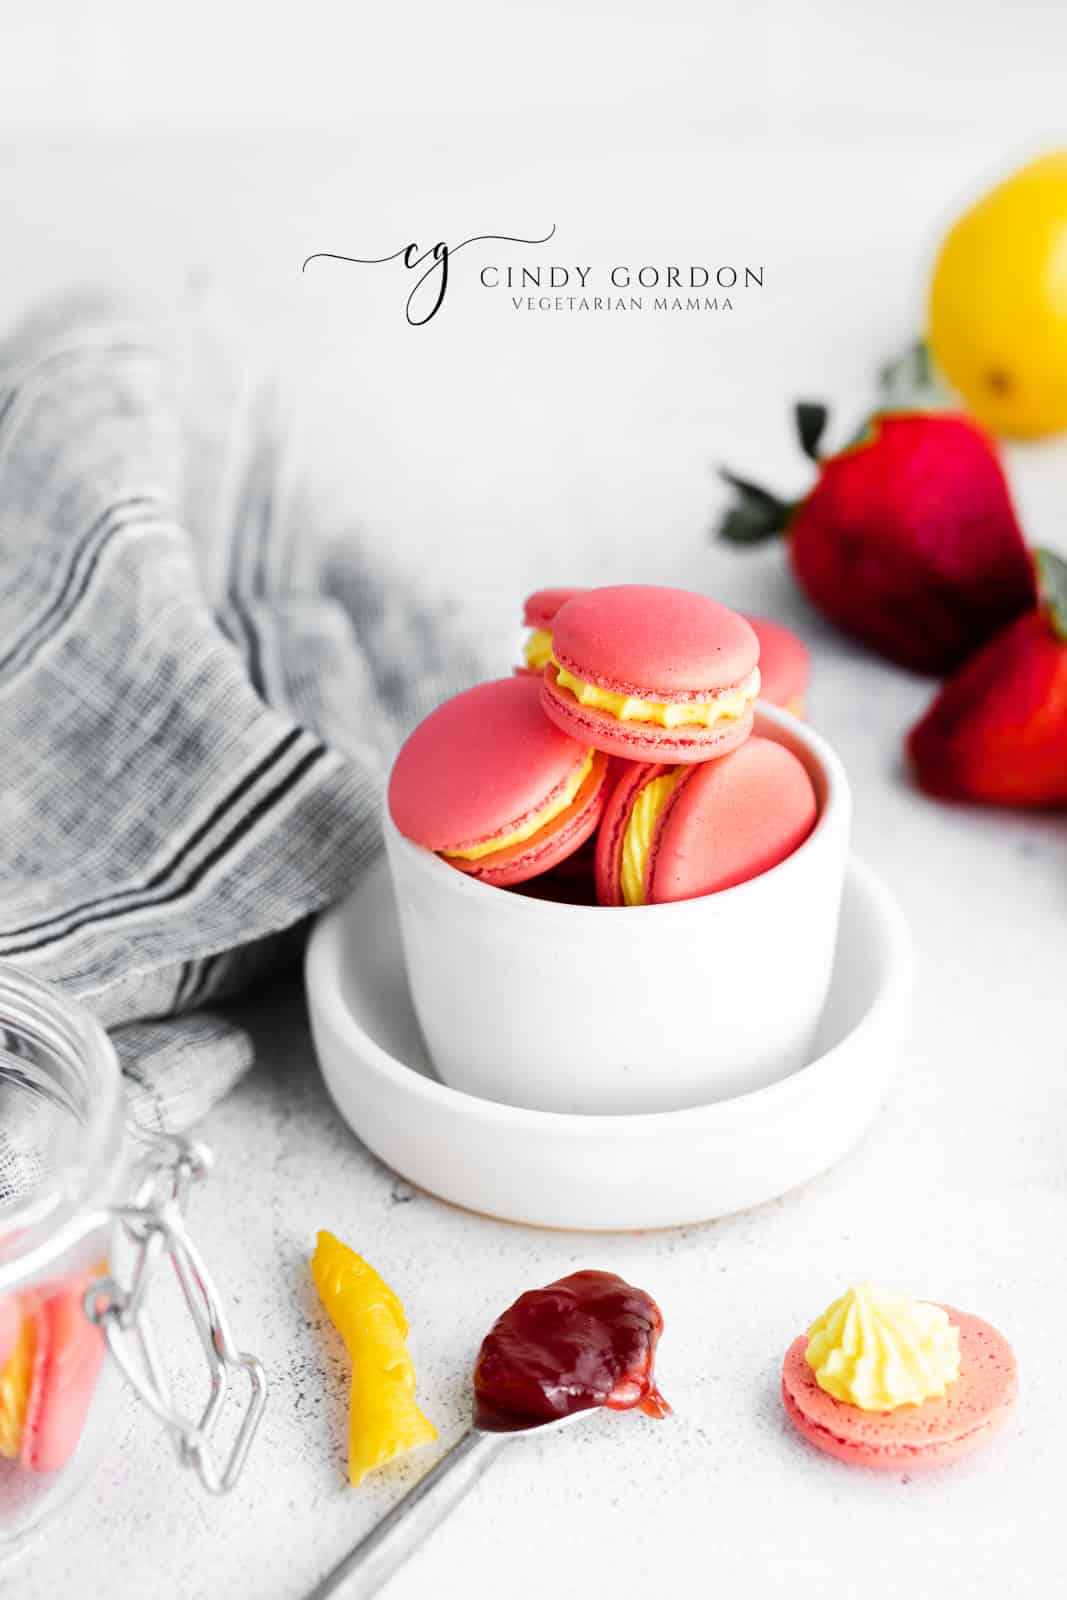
563	1171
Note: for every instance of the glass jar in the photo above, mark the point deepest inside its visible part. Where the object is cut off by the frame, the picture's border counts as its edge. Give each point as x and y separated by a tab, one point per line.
88	1210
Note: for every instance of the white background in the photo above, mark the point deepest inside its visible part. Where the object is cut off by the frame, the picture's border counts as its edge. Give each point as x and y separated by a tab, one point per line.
199	153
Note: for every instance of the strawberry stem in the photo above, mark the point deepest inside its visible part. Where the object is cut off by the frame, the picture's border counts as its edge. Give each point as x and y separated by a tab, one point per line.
811	420
755	515
1052	587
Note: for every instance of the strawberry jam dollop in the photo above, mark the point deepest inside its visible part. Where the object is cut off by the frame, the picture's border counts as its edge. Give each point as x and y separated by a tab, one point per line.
586	1340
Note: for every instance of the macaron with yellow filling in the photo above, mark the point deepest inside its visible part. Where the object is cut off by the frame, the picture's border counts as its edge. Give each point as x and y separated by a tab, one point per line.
539	614
652	674
10	1325
784	664
673	832
48	1373
494	788
881	1380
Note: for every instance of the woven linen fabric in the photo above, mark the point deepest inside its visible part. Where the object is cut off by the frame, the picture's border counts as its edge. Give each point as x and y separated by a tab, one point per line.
200	686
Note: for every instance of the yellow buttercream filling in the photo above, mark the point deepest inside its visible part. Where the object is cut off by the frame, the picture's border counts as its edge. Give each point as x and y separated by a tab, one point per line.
538	650
637	840
560	803
730	704
15	1377
878	1351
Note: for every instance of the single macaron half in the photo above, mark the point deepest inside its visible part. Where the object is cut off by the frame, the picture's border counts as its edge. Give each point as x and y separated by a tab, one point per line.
784	664
676	832
964	1365
652	674
539	613
494	788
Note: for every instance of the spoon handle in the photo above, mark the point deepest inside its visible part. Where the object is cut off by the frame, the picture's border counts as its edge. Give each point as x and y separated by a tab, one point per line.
389	1543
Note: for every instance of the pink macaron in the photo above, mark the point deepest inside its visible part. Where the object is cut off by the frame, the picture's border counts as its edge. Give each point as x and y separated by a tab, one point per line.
68	1352
49	1365
495	788
10	1323
652	674
931	1434
784	664
539	614
677	832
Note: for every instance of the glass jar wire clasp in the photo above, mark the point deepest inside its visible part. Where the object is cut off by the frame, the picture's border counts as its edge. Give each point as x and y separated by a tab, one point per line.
154	1226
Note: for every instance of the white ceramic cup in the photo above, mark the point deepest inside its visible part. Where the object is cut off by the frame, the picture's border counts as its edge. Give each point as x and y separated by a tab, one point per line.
631	1008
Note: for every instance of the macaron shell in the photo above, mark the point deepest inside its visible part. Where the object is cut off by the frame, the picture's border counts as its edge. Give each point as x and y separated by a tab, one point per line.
730	821
932	1434
10	1323
480	766
653	643
541	606
784	664
16	1378
639	741
67	1359
631	779
551	845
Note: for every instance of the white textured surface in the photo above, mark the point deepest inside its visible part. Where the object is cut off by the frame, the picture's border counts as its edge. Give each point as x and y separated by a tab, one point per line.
504	452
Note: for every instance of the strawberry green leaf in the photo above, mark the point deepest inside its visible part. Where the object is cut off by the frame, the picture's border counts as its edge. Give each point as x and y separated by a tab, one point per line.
811	422
911	382
755	515
1052	586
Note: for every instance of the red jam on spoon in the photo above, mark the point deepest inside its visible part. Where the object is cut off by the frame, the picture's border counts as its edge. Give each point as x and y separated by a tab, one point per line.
586	1340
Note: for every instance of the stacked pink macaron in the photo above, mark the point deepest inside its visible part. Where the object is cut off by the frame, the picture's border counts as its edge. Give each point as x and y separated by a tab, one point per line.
628	731
784	662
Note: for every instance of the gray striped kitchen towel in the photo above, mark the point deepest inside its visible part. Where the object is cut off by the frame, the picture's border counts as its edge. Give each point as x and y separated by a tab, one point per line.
199	688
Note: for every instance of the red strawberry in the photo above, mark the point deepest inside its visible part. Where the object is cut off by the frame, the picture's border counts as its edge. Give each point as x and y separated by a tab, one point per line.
997	732
908	538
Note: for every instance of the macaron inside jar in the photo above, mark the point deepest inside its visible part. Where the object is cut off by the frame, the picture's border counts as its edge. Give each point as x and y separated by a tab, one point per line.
652	674
494	788
678	832
48	1374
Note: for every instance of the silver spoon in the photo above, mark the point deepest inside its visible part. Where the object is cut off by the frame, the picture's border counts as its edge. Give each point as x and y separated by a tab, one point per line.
389	1543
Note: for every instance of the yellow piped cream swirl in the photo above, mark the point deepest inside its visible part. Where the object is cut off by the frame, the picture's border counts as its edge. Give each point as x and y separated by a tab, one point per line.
538	649
878	1350
728	705
640	828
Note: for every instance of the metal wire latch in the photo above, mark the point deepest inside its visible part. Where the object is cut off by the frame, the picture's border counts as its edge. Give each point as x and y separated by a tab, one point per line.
154	1225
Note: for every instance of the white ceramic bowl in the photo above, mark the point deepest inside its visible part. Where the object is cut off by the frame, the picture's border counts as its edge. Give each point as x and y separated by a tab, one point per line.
648	1008
564	1171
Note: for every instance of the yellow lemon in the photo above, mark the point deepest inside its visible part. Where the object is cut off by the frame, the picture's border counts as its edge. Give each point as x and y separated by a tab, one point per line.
998	302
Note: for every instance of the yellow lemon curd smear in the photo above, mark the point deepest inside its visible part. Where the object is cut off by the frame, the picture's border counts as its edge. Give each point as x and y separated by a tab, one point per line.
565	798
640	827
15	1378
878	1350
538	650
384	1419
729	705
